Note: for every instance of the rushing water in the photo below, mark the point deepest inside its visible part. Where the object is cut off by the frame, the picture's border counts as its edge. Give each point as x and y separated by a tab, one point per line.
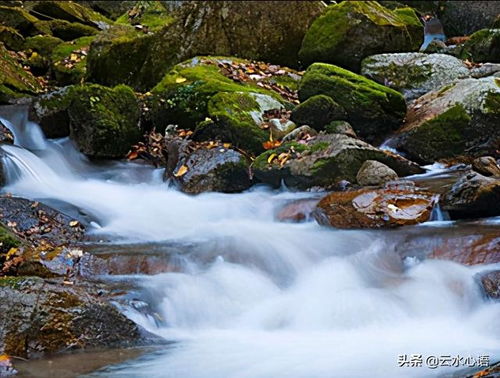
255	297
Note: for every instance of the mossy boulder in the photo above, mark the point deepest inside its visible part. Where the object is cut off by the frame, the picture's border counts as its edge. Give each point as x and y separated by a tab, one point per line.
323	162
15	82
414	74
104	122
42	44
461	118
69	31
110	9
483	46
70	11
20	20
352	30
372	109
50	111
11	38
318	111
152	15
69	61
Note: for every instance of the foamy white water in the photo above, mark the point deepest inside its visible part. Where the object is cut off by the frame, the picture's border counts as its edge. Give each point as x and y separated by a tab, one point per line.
258	298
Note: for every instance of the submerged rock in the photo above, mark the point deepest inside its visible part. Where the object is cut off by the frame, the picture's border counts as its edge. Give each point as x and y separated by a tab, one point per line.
40	317
382	208
372	109
458	119
414	74
473	196
353	30
323	161
373	172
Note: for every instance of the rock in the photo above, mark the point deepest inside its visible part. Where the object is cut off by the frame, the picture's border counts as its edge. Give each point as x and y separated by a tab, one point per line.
458	119
42	44
104	122
473	196
266	31
15	82
69	61
38	223
41	317
491	284
279	128
372	109
482	46
340	127
214	169
486	165
69	31
352	30
382	208
151	15
70	11
11	38
414	74
50	111
20	20
111	9
485	69
465	17
299	133
298	210
375	173
318	111
322	162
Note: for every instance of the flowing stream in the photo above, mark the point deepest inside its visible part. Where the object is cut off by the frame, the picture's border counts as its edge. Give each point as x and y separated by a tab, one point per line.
253	297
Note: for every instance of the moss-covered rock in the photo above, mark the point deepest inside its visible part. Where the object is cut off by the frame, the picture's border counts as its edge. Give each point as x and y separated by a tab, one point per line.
414	74
11	38
14	80
42	44
372	109
104	122
50	111
483	46
340	127
353	30
70	11
69	61
458	119
318	111
150	14
110	9
19	19
323	162
68	31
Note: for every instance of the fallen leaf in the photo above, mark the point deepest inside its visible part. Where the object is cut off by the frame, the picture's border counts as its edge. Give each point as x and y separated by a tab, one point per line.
132	155
271	158
74	223
180	80
270	144
181	171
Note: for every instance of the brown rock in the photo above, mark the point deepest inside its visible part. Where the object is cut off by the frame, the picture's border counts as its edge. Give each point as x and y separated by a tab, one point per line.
297	211
491	284
373	172
486	165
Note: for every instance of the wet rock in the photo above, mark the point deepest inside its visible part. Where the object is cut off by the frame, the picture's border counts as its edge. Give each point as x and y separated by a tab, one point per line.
414	74
15	82
318	111
11	38
465	17
41	316
458	119
382	208
375	173
482	46
491	284
340	127
6	136
323	161
486	165
70	11
372	109
214	169
473	196
104	122
299	133
298	210
353	30
267	31
50	111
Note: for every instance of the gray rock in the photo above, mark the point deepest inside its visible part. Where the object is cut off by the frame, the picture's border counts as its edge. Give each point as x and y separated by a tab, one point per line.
486	165
465	17
299	133
281	128
491	284
340	127
373	172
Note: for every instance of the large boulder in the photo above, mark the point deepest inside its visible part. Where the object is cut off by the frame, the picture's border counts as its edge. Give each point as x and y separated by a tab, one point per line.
372	109
265	30
211	167
15	82
104	122
19	19
482	46
318	111
373	172
414	74
41	316
465	17
382	208
459	118
353	30
323	162
473	196
70	11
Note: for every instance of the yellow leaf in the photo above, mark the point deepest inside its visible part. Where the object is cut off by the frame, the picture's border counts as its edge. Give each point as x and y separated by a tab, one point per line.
181	171
11	253
226	145
271	158
180	80
73	57
73	223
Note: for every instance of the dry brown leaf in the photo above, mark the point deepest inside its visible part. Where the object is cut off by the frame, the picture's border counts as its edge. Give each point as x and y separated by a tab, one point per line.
181	171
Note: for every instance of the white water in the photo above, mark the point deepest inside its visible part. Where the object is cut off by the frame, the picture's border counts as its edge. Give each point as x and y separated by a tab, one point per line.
258	298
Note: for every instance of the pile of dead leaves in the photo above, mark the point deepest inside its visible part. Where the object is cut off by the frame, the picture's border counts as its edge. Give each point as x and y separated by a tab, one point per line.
74	58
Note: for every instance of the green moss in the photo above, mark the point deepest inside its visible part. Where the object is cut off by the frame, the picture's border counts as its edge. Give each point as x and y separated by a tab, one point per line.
152	14
317	111
8	240
69	31
70	72
492	101
483	46
16	282
42	44
20	20
261	161
442	136
11	38
70	11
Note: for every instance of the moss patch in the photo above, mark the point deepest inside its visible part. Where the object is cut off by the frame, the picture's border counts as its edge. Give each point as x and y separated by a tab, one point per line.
70	11
69	31
483	46
317	111
65	69
151	14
